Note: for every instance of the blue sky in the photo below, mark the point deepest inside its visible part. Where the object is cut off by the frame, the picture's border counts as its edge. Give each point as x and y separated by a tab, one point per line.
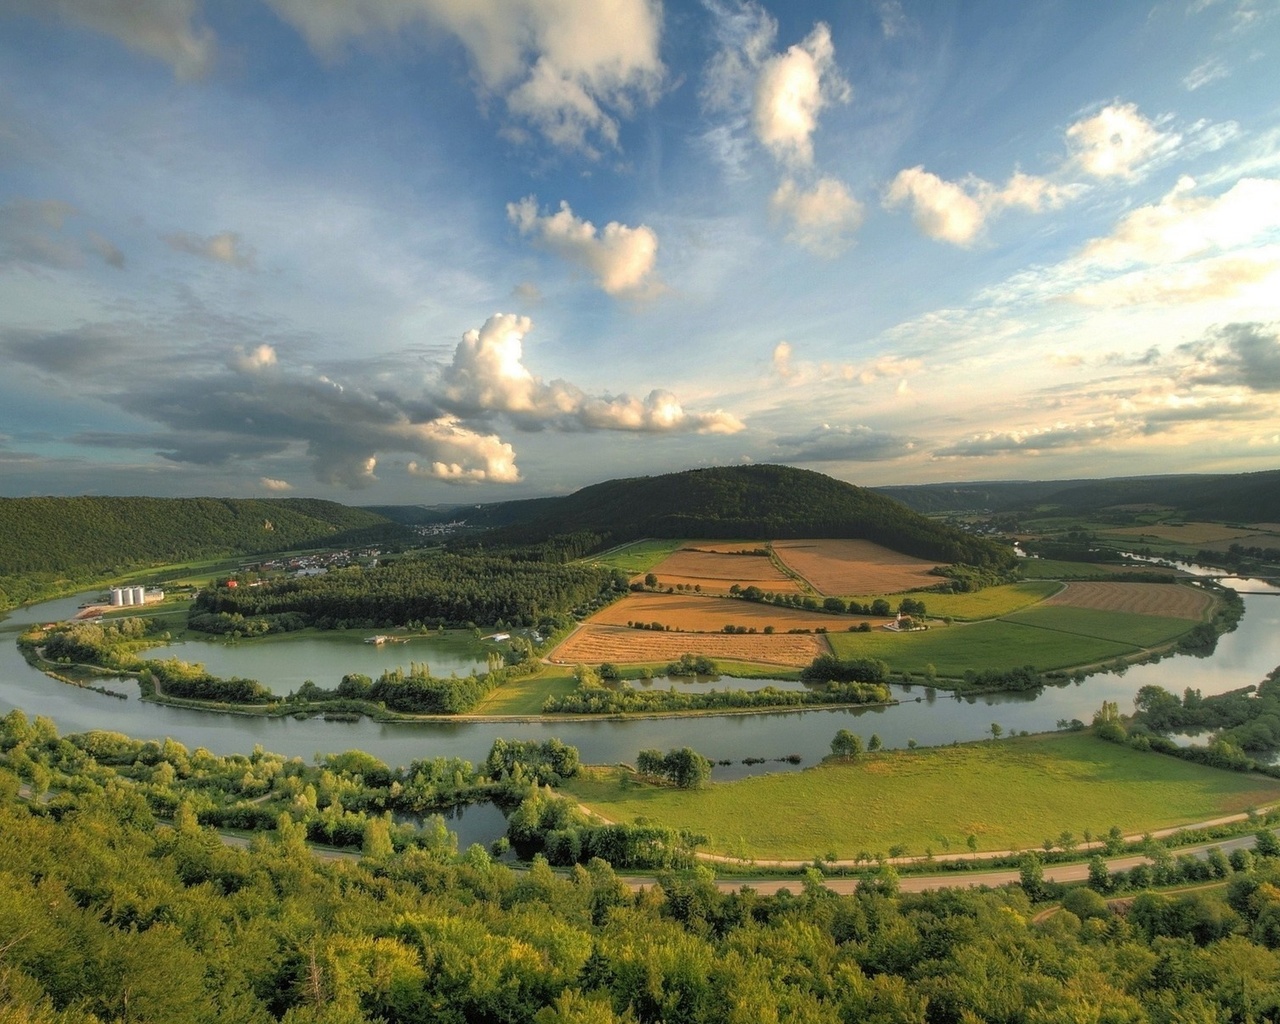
468	250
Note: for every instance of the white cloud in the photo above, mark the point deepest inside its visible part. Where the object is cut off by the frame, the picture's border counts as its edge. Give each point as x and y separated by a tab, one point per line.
227	247
791	90
260	358
1116	142
1183	225
1204	280
941	209
821	218
463	455
621	258
956	212
164	29
272	484
856	443
1202	74
488	375
782	360
569	67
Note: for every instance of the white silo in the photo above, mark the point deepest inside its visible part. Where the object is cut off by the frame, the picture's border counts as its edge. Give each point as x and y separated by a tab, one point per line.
127	594
117	597
139	595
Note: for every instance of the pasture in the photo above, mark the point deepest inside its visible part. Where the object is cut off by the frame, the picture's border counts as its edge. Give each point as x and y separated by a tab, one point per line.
838	568
636	558
1015	794
1093	623
989	603
996	644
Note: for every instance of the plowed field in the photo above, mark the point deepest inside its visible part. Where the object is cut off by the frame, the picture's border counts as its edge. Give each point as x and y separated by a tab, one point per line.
694	614
1167	599
717	567
839	568
595	643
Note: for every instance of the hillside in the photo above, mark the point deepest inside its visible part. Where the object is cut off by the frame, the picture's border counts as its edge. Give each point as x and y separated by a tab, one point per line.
1227	497
764	502
43	540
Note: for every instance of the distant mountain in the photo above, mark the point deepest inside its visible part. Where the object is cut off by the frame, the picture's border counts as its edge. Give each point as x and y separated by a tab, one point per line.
90	537
1228	497
739	502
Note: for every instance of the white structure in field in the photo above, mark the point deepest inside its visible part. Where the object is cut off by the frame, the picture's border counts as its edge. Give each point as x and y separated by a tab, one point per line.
129	596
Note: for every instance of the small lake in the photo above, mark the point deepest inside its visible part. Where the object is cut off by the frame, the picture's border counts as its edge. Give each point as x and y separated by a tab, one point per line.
1243	657
284	662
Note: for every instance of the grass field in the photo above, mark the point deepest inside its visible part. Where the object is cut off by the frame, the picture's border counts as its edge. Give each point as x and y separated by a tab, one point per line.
990	603
526	696
1010	795
1122	627
1052	569
996	644
637	557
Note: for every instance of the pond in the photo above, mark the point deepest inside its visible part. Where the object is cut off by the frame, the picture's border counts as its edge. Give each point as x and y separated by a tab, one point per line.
929	717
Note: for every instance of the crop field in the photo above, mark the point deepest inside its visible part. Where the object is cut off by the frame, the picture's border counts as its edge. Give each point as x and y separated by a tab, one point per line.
694	613
839	568
715	568
995	644
595	643
1016	793
1166	599
989	603
1093	623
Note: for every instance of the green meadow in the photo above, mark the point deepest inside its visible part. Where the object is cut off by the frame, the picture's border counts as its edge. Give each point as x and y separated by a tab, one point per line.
1015	793
637	557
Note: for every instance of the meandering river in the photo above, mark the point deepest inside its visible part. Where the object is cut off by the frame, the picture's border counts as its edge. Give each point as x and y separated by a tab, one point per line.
928	717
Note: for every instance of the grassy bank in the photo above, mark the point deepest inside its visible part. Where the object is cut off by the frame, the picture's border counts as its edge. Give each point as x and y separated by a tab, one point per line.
1012	794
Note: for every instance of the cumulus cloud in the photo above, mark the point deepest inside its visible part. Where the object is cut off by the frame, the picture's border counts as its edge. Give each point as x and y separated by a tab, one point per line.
488	375
782	360
1240	355
227	248
791	91
956	212
821	218
856	443
272	484
164	29
1116	142
621	258
570	68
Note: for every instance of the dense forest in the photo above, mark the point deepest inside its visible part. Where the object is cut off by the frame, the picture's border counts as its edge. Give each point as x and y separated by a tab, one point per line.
769	502
105	916
84	539
1229	497
431	589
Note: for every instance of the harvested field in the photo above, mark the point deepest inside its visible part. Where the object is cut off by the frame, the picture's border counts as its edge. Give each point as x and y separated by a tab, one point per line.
699	614
717	567
595	643
840	568
1167	599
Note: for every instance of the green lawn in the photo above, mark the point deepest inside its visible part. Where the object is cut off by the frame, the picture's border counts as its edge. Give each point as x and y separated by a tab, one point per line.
1012	794
526	696
1122	627
989	603
996	644
637	557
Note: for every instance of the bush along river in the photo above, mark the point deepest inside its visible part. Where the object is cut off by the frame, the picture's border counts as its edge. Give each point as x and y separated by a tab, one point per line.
929	717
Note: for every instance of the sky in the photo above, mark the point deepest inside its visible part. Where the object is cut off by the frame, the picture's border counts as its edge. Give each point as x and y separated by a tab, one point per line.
454	251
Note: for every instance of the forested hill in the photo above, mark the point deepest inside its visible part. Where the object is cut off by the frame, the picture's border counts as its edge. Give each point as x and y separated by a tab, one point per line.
86	538
1230	497
737	502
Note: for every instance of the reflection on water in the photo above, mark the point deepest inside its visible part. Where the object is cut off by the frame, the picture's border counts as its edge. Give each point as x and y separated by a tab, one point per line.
929	717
